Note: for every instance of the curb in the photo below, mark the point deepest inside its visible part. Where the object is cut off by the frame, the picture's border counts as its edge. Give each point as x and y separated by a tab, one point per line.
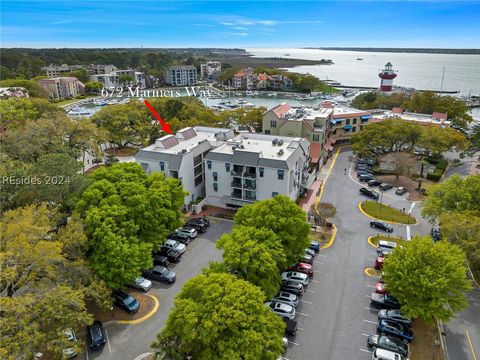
442	340
332	238
389	222
143	318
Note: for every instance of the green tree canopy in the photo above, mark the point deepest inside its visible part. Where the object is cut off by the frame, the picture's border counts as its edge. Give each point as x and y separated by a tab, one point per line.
128	213
429	280
80	74
456	194
93	87
218	316
256	254
282	216
16	112
251	118
125	79
34	89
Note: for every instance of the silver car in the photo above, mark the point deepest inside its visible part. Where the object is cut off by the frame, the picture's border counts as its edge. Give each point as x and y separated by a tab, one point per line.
186	232
286	298
283	310
295	276
175	245
141	284
384	245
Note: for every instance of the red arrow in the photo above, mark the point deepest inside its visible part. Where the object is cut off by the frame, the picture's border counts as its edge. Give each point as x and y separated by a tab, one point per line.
165	126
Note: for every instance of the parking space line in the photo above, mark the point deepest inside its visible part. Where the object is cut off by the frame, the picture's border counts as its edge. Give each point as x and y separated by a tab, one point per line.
301	329
316	271
471	345
368	296
408	233
322	255
86	352
299	313
313	291
369	308
294	343
371	322
315	281
367	351
108	340
370	286
306	302
365	335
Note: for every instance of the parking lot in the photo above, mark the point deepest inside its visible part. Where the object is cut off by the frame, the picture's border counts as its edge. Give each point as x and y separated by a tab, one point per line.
336	317
129	341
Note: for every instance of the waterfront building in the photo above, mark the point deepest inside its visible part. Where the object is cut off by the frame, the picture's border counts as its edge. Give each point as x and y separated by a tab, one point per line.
347	121
62	87
437	118
112	79
253	167
181	156
387	75
210	70
184	75
245	79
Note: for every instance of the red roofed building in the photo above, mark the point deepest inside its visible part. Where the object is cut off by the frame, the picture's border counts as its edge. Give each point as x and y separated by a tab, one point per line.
398	110
438	116
347	121
244	79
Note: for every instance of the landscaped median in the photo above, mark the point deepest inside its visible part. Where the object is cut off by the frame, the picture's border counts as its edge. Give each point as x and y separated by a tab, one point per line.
373	240
376	210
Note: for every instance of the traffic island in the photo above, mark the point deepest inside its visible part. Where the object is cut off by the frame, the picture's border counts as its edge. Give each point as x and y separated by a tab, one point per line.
325	236
373	240
149	305
379	211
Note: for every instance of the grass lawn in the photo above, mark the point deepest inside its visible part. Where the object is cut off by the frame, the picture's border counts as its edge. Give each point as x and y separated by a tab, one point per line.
122	152
387	213
424	347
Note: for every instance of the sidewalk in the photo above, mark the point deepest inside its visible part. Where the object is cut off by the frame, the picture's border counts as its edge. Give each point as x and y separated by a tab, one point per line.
213	211
307	201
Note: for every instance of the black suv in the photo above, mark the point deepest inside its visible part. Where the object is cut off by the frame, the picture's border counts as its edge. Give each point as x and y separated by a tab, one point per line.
369	193
96	336
160	260
171	254
197	224
373	182
126	301
381	225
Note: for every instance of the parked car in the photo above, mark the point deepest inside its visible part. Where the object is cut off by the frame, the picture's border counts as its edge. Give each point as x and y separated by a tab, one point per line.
310	252
315	246
197	225
160	273
308	259
379	262
381	288
70	352
303	268
364	172
286	298
171	254
186	232
141	283
436	234
385	245
392	328
126	301
96	336
295	276
395	315
291	328
182	240
400	190
384	301
369	193
174	245
292	287
281	309
388	343
161	260
374	182
381	226
385	187
366	161
384	252
383	354
364	167
365	177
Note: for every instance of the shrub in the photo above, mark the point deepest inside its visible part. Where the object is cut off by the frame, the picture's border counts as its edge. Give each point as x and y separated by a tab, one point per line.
435	175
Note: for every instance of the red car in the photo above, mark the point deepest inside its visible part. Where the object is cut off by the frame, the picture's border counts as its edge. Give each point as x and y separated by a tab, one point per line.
379	262
381	288
303	268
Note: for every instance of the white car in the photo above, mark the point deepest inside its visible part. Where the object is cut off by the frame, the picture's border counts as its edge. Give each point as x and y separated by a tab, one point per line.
175	245
295	276
382	354
283	310
186	232
286	298
386	245
141	284
70	352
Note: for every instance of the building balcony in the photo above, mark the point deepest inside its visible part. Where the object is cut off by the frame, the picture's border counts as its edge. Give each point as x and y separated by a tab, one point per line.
249	175
250	198
236	184
236	195
250	185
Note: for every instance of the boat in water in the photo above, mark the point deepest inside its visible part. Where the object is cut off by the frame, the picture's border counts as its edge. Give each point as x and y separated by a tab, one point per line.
100	102
360	59
78	111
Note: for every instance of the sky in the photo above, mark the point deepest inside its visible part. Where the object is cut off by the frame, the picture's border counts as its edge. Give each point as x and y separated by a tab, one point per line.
282	24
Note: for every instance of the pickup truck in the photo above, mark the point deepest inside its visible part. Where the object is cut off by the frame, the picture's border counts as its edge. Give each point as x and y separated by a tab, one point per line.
384	301
171	254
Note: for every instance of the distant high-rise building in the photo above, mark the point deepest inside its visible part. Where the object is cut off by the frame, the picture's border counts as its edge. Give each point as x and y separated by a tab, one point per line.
183	75
62	87
211	69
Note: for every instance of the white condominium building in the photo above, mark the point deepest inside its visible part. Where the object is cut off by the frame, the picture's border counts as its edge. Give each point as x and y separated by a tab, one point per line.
184	75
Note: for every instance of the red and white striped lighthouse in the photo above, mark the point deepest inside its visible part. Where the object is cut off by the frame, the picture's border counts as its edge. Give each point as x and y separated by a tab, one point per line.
387	75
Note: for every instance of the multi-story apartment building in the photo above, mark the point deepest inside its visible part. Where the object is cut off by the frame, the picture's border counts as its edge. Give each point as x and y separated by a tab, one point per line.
93	69
210	70
245	79
62	87
98	69
185	75
182	157
254	167
347	121
112	79
312	124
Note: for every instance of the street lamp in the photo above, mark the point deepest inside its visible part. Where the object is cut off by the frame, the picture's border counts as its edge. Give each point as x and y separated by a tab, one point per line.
381	202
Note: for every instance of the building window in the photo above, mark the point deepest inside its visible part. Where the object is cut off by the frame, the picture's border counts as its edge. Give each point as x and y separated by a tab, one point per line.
274	194
267	132
273	124
162	166
261	171
215	176
316	137
209	165
354	121
280	174
354	129
347	122
227	167
215	187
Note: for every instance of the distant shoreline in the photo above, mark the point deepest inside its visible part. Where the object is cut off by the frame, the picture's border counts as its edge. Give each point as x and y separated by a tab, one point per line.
266	62
403	50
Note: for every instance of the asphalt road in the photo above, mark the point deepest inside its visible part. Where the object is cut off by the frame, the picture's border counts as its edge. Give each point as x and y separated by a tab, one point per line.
335	318
129	341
